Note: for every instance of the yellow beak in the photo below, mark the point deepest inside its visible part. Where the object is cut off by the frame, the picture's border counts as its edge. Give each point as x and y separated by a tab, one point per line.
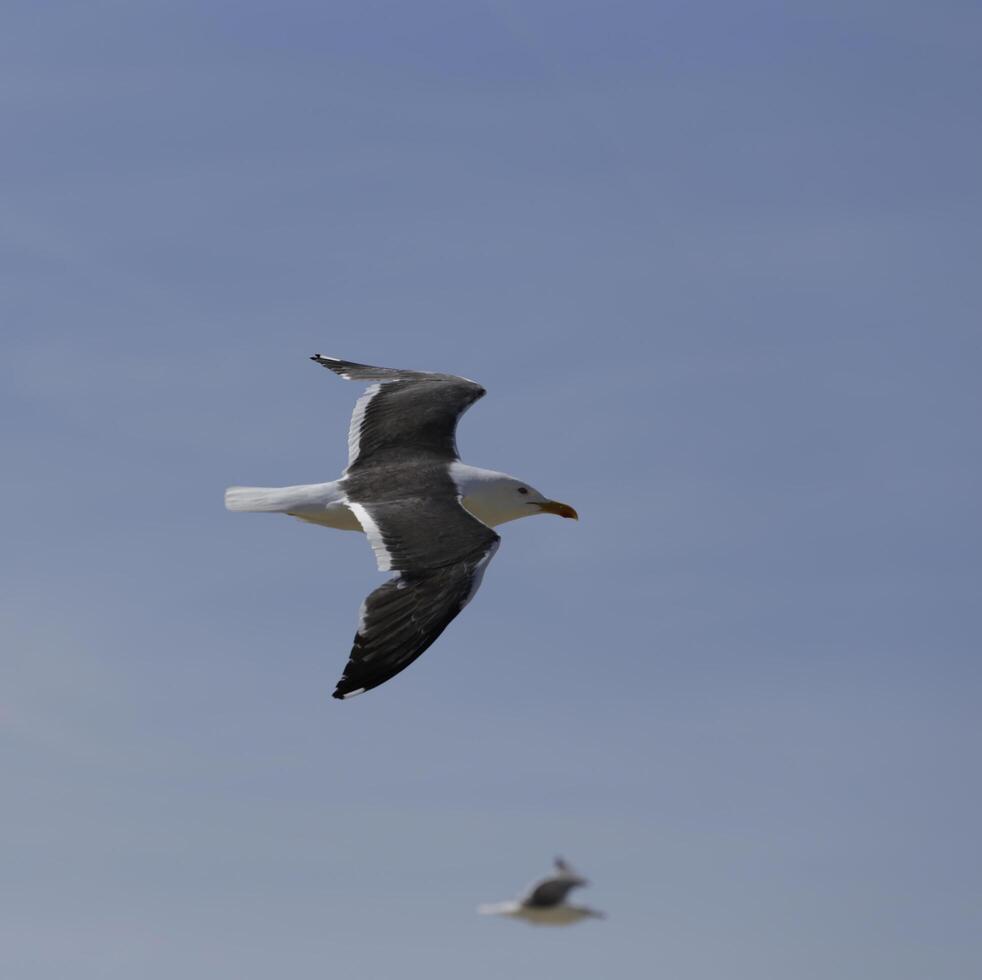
560	510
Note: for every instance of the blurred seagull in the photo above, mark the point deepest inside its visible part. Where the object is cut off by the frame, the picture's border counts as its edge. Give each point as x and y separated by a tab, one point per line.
545	903
427	516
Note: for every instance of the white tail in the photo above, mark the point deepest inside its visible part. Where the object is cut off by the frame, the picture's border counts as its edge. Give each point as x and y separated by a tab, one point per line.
269	499
318	503
499	908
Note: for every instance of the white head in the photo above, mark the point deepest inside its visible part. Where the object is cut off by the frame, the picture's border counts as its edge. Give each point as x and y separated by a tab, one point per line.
496	498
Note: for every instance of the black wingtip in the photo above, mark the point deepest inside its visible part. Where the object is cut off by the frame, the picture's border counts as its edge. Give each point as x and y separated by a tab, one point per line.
344	691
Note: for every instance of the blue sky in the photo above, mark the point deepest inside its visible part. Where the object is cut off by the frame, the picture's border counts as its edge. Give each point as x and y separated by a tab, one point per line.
717	265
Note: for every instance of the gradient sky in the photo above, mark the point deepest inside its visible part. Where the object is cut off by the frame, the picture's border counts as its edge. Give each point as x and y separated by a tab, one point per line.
717	265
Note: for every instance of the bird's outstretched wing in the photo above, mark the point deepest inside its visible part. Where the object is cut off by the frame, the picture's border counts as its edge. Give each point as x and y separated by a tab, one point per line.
404	616
416	526
554	889
405	414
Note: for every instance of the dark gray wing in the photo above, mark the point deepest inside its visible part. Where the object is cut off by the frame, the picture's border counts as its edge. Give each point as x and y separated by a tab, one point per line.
416	526
353	371
402	618
554	889
406	415
550	891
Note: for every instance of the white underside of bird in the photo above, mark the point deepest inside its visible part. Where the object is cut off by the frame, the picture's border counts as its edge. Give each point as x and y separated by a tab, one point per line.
558	915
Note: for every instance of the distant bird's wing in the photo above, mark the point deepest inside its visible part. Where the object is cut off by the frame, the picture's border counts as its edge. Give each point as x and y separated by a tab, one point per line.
554	889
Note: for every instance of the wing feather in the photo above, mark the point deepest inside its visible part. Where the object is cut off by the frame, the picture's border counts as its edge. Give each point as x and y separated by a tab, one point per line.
403	617
405	414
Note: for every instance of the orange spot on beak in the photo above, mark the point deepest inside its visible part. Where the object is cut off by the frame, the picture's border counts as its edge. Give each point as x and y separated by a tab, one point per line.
560	510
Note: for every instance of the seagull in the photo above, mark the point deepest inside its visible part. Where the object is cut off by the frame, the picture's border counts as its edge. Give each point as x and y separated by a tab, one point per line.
427	515
545	902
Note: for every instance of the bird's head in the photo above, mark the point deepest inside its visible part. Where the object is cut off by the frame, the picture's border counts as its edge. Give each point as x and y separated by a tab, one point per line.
496	498
519	499
530	497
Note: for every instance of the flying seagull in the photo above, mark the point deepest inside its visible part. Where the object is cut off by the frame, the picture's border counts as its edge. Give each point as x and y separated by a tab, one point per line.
545	902
427	516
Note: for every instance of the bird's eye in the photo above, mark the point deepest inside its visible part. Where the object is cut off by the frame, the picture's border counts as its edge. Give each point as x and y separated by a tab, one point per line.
523	489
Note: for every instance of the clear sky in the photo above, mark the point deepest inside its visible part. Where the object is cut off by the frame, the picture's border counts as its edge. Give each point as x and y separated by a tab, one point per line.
718	266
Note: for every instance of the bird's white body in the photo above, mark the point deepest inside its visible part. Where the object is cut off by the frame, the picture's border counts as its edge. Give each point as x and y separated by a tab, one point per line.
557	915
492	497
